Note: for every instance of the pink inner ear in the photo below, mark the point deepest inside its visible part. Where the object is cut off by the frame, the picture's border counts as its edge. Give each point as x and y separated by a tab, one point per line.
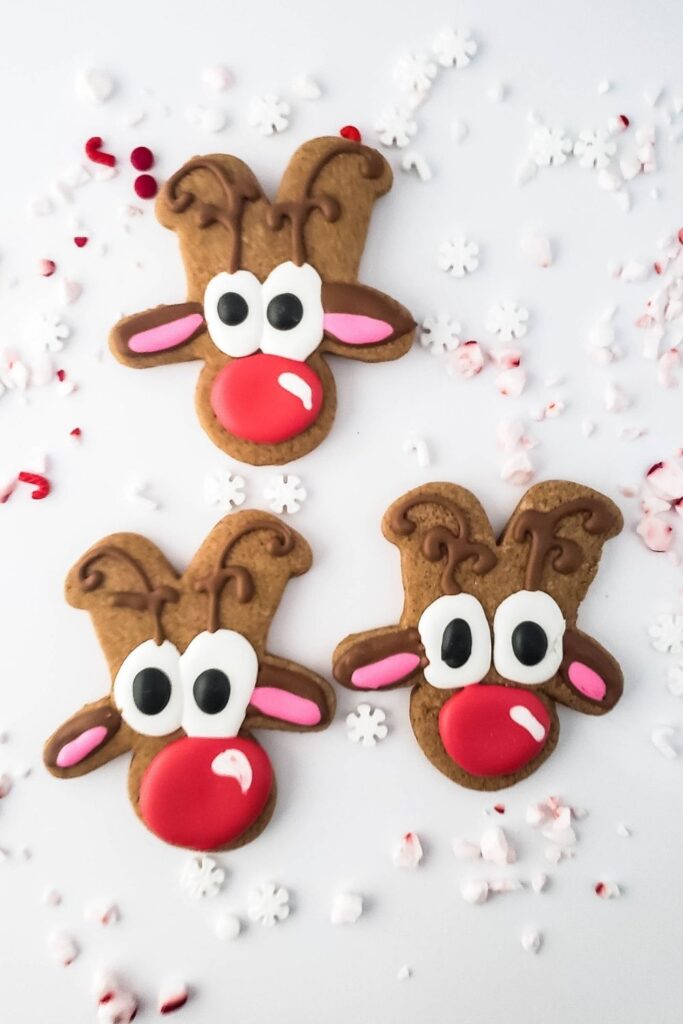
587	681
77	750
286	706
385	672
353	329
165	336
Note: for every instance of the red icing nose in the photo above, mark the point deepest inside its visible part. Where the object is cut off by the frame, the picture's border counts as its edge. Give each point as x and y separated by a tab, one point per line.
493	730
204	793
266	399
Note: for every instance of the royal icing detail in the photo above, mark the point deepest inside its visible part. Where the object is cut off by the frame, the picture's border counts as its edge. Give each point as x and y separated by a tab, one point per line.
77	750
384	672
457	641
165	336
586	681
287	707
356	329
528	628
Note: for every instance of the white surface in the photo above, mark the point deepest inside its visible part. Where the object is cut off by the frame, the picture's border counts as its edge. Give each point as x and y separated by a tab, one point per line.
341	807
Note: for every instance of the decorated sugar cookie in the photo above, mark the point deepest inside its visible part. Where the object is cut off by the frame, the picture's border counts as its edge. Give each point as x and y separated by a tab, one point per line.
488	638
271	290
191	678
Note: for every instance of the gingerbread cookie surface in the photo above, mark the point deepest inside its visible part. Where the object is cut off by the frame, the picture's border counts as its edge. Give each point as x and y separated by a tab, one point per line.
271	289
488	638
191	678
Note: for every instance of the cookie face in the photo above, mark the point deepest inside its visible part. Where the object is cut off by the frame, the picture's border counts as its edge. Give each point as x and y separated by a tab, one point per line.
271	290
191	678
488	638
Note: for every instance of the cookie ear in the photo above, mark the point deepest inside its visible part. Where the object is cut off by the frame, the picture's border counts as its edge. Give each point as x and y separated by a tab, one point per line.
362	323
445	540
288	696
240	572
589	679
87	740
166	334
555	537
326	196
380	659
125	583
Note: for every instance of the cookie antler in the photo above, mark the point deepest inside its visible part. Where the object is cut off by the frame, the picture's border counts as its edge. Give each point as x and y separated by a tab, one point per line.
540	528
454	544
150	599
281	543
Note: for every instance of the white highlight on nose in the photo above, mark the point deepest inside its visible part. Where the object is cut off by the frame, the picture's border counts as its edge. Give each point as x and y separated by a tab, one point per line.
233	764
298	387
522	716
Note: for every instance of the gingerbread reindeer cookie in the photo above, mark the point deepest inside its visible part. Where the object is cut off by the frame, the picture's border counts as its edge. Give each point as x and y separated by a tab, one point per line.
271	290
488	638
191	678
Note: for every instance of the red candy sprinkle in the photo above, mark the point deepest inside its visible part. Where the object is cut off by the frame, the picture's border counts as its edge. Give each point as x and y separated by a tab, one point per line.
680	236
61	375
76	432
40	483
349	131
142	158
145	186
94	152
81	240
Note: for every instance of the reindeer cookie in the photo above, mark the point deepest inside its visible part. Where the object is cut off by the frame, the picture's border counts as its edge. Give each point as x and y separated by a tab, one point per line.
191	678
271	289
488	638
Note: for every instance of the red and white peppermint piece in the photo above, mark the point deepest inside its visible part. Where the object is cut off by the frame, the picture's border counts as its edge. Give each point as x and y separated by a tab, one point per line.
173	995
408	853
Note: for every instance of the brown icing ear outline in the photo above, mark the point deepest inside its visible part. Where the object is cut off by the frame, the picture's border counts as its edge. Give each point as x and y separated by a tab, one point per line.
290	697
589	679
155	337
92	737
441	541
379	659
363	323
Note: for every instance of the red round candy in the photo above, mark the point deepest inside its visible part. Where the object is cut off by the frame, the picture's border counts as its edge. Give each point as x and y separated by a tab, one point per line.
145	186
142	158
349	131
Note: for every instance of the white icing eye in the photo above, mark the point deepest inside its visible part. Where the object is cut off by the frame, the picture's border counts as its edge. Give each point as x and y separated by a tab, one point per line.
233	309
293	325
219	675
147	689
528	628
457	641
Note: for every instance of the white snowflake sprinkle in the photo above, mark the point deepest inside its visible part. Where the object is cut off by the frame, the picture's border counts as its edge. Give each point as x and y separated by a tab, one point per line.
454	47
458	257
594	148
224	489
415	73
201	877
395	127
268	114
507	320
366	726
285	493
440	334
47	332
268	903
666	634
549	146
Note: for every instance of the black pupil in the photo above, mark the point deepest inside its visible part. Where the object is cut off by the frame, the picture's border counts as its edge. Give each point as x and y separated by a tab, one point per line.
211	691
285	311
529	642
232	309
456	643
151	691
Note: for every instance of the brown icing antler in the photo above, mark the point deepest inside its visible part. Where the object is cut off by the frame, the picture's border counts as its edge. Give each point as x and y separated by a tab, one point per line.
540	528
152	599
297	211
441	541
280	544
235	194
